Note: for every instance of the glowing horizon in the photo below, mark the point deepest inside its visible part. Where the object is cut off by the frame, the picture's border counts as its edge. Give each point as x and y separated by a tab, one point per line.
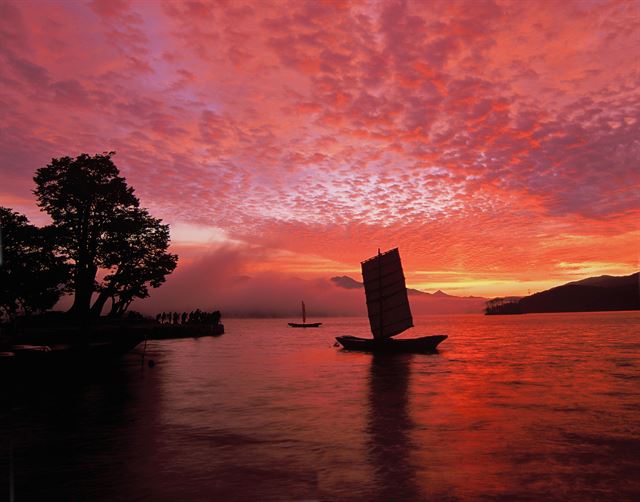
495	143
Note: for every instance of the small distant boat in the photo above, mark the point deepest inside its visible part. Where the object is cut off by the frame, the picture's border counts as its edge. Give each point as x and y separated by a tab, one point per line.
304	323
388	309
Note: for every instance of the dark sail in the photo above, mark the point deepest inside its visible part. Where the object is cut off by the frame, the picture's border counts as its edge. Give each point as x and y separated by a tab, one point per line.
385	287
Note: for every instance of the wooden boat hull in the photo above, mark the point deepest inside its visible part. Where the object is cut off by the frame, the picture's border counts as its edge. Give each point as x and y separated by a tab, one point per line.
83	352
305	325
423	344
60	357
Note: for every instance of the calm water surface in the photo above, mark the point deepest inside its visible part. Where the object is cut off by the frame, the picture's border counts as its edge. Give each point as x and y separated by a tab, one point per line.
517	407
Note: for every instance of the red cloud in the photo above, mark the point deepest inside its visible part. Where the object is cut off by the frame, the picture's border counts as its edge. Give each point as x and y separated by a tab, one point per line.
331	128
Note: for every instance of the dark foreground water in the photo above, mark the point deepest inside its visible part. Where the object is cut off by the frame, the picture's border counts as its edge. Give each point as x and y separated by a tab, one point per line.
520	407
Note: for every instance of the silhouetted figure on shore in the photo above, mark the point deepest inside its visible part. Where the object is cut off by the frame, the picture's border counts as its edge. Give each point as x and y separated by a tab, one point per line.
193	317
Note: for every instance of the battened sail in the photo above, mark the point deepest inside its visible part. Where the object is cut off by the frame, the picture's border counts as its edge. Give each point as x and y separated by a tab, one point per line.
386	294
304	314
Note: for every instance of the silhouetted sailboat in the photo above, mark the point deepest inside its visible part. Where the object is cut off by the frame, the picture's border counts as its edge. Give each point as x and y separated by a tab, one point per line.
388	308
304	323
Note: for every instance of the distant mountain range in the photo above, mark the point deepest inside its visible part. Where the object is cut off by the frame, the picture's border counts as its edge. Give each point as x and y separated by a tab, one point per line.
347	282
427	303
601	293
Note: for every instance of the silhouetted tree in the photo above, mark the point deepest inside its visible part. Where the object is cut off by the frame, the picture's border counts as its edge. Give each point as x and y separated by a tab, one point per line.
82	196
135	252
99	225
32	277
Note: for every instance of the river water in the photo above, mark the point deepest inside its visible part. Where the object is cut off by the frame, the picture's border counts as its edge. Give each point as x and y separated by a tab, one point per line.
543	406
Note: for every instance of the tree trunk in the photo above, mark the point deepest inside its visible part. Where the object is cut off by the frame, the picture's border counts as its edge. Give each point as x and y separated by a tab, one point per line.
80	293
85	268
126	306
115	308
120	307
98	305
85	277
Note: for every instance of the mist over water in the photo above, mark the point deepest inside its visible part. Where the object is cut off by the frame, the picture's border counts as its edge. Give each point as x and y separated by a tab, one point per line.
225	280
527	407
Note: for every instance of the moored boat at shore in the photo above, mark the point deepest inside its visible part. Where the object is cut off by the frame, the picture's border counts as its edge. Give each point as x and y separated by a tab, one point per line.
51	344
61	357
89	352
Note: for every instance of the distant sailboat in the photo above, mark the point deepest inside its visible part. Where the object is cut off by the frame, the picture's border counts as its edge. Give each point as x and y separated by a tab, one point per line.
388	309
304	323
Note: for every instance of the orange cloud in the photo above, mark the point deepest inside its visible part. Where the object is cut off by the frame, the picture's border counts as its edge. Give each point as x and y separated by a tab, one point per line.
494	140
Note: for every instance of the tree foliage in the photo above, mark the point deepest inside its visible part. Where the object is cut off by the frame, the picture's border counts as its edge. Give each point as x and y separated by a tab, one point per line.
136	257
100	225
32	276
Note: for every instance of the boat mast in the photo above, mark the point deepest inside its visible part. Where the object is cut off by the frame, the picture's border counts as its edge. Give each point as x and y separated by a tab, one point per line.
304	314
380	289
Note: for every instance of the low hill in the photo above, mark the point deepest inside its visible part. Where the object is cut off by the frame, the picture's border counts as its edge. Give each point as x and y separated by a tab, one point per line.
588	295
609	281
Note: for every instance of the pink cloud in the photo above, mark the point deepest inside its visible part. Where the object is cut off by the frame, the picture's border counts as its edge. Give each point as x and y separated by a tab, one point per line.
490	137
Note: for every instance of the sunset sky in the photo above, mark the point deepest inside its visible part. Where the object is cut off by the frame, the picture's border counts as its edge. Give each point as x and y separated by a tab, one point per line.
497	144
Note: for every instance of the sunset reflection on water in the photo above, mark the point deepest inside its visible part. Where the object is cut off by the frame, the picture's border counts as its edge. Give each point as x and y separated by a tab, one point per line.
535	406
